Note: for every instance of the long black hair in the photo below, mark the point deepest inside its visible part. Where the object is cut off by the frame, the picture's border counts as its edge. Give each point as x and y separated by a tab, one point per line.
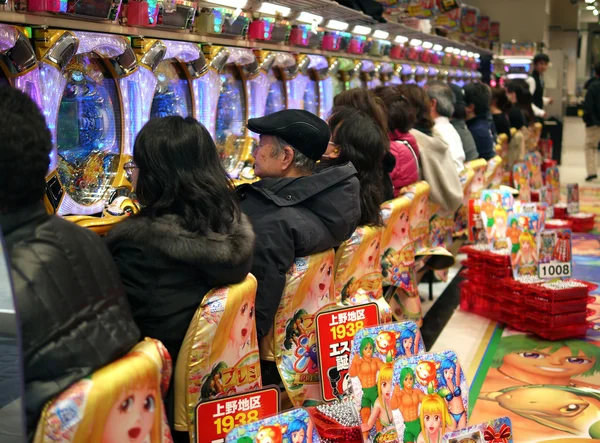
363	142
524	98
180	173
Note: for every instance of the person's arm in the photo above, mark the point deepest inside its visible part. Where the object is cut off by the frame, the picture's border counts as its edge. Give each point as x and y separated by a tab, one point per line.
274	256
540	113
531	84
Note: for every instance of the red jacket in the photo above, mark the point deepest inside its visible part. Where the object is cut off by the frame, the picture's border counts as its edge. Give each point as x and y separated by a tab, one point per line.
406	171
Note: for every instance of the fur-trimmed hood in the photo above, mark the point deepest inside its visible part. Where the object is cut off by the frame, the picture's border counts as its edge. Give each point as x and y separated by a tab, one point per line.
167	235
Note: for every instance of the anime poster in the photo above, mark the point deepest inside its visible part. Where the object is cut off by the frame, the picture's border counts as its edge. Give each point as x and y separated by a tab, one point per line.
553	183
293	426
558	381
429	397
371	368
495	31
476	223
523	238
521	181
448	5
496	206
533	160
469	20
493	431
423	9
483	27
308	291
449	20
494	172
554	251
479	167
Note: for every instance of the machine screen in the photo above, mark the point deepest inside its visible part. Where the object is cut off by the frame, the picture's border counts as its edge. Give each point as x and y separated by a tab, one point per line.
338	85
172	95
275	97
88	130
310	97
231	116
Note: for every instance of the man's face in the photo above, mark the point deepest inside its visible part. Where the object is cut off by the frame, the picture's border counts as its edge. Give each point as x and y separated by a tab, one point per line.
544	362
265	164
541	67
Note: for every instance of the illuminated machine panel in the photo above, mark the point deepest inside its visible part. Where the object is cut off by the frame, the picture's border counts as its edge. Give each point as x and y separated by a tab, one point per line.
408	74
383	72
420	76
284	71
93	100
341	71
297	84
367	73
18	65
323	86
258	82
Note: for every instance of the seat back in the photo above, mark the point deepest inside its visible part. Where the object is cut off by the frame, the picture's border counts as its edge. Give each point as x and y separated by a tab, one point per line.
552	181
479	168
534	137
494	172
521	181
502	145
292	342
98	408
534	160
461	216
357	276
219	355
419	210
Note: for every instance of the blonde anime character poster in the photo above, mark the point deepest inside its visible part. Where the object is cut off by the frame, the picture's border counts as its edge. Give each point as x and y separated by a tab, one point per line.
548	389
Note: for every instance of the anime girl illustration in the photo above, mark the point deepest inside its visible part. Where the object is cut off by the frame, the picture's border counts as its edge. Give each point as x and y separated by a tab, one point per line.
128	411
295	329
419	215
381	417
364	272
526	259
450	387
409	343
500	222
235	344
299	431
434	419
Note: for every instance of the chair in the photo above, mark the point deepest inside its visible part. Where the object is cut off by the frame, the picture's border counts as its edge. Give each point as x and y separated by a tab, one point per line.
357	275
534	160
534	137
398	261
479	167
461	216
494	172
552	181
88	411
521	181
217	358
292	343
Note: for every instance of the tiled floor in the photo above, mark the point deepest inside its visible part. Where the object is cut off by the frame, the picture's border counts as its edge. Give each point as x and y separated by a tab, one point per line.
467	334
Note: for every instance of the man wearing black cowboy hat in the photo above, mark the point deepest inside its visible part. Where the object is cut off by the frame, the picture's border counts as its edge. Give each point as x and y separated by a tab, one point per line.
295	212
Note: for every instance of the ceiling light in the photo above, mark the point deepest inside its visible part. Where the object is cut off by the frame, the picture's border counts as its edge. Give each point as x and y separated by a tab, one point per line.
456	51
416	42
401	39
229	3
449	49
463	53
595	12
518	61
590	7
427	45
361	30
338	26
272	9
307	17
590	1
438	48
381	34
470	54
477	55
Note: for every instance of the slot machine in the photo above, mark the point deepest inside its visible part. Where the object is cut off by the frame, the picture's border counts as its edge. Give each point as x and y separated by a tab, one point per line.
281	75
407	74
459	78
420	75
242	96
296	80
345	72
18	65
386	74
367	74
259	82
319	90
452	76
432	74
94	100
443	75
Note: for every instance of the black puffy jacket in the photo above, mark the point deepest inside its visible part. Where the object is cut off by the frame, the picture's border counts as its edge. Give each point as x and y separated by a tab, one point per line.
73	311
296	217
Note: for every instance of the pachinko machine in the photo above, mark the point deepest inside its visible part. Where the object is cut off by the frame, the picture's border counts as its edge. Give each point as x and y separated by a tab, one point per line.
387	75
407	73
92	96
346	73
368	74
319	91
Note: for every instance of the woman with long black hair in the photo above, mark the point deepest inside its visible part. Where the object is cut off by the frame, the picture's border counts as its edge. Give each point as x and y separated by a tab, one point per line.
357	138
521	113
190	235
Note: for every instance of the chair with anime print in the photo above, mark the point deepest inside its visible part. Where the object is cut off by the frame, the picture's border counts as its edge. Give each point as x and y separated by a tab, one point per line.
357	271
119	402
515	154
292	341
219	355
534	137
461	216
398	261
494	172
479	168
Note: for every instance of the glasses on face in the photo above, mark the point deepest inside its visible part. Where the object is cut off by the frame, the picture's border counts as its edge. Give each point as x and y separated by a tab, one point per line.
129	167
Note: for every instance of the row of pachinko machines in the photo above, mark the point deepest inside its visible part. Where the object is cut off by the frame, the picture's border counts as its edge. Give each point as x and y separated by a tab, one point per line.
98	90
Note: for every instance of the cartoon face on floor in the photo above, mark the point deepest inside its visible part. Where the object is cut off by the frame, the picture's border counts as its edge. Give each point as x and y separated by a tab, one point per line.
131	418
562	362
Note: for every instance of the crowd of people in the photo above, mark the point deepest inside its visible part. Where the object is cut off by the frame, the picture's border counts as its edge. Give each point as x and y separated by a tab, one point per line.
84	301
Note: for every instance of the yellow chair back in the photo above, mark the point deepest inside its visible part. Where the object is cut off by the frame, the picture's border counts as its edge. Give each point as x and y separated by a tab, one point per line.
219	355
91	410
494	172
479	168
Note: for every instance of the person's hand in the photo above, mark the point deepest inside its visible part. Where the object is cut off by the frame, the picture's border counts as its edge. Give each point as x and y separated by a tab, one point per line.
550	100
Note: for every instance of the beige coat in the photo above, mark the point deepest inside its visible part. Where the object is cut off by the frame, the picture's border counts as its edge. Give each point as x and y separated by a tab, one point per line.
437	169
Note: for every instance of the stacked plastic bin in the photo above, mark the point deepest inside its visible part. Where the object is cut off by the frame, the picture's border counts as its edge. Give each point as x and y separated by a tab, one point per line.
554	310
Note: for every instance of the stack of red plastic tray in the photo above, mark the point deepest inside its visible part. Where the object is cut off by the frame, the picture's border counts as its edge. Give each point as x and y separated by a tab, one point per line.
552	310
582	221
558	223
560	210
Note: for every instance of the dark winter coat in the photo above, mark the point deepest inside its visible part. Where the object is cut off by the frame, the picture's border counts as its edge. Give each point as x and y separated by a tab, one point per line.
296	217
74	314
167	270
591	106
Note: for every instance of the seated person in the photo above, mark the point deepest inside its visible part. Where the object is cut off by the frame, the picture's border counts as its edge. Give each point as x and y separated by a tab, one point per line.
442	107
477	99
72	307
356	138
403	145
500	108
190	236
295	212
372	105
437	167
458	121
